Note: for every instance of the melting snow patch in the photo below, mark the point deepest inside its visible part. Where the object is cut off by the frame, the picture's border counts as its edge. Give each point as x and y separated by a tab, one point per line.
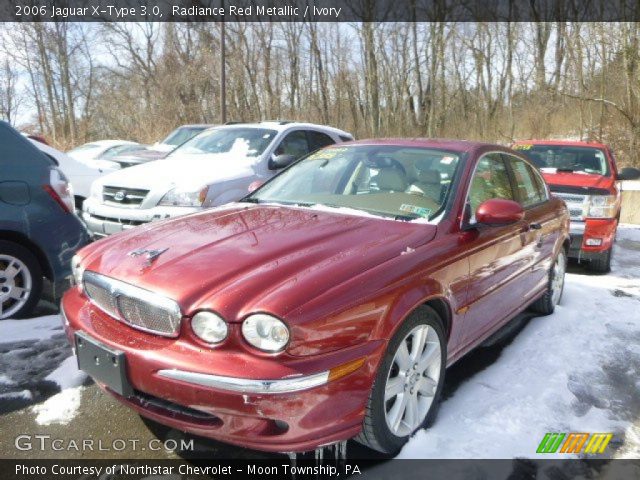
60	408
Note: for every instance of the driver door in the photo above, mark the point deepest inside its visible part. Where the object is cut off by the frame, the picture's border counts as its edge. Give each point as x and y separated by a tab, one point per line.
496	255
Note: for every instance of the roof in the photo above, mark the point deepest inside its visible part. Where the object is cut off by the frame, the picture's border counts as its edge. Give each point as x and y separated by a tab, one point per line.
571	143
110	143
440	143
281	126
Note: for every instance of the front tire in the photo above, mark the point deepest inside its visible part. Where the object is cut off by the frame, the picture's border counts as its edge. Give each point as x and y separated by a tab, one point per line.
408	384
546	304
20	280
602	263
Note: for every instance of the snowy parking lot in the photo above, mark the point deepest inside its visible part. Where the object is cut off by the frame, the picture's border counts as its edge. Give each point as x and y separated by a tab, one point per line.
574	371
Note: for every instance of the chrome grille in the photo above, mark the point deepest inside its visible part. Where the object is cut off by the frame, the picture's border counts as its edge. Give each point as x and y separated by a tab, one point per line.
131	197
578	205
135	306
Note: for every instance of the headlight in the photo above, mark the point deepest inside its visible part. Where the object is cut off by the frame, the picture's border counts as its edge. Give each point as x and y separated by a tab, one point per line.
265	332
209	327
77	269
178	197
96	191
602	206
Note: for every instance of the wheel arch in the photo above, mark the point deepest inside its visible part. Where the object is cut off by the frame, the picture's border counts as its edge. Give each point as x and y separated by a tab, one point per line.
24	241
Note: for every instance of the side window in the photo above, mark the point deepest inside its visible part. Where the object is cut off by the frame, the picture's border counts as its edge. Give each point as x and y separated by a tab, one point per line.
318	140
295	143
529	186
490	180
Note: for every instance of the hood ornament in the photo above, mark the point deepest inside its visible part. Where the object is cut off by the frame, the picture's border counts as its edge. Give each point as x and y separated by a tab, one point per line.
150	255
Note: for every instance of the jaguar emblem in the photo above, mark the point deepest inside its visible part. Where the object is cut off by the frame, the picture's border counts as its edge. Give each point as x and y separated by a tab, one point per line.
150	255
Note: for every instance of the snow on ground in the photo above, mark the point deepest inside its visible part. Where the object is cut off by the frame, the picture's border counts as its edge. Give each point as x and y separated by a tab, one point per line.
573	371
61	408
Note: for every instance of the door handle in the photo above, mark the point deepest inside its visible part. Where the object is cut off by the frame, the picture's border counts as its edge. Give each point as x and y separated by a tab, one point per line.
535	226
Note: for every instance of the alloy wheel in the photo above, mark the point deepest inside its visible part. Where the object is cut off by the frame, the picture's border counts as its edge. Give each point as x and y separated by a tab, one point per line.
15	285
412	381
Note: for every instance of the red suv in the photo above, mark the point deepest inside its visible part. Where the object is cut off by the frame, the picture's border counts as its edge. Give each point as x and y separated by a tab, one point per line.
327	304
585	176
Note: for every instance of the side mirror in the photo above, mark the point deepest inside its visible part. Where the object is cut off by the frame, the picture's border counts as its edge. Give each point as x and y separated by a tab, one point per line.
629	173
256	184
280	161
498	211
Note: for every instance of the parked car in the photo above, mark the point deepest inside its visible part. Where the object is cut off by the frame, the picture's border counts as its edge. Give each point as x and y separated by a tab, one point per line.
38	231
81	173
114	152
93	150
214	167
130	159
326	304
178	136
585	176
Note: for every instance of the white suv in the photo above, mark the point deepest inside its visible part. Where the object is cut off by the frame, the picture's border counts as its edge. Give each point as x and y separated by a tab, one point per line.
213	168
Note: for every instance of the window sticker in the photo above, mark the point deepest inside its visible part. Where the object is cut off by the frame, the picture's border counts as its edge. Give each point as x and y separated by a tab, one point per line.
446	160
421	211
328	153
523	146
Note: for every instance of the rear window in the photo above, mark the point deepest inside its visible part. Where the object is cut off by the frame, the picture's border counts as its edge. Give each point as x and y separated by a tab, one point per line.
563	158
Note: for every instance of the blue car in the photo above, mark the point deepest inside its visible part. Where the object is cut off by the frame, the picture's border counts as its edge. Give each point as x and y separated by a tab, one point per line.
39	231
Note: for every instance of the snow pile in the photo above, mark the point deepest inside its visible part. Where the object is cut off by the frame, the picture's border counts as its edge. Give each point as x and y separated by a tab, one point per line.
573	371
60	408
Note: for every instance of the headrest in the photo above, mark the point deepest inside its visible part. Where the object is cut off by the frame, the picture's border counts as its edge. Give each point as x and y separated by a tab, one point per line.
391	179
428	176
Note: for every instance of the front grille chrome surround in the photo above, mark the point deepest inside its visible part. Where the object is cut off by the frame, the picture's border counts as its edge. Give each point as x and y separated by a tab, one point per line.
578	205
134	306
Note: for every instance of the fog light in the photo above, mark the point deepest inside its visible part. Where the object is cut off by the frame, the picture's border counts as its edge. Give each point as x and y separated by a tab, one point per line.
593	242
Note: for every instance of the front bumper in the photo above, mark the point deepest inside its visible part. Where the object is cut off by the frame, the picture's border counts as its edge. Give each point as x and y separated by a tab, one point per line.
593	230
182	385
103	220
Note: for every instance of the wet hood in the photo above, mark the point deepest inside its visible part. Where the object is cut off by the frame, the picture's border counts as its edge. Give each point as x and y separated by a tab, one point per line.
242	258
179	171
583	181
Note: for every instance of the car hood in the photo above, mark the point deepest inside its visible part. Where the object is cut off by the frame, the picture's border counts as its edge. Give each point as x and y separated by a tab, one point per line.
579	180
184	171
242	258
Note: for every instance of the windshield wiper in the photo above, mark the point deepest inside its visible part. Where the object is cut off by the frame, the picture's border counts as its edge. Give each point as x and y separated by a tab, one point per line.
407	218
250	200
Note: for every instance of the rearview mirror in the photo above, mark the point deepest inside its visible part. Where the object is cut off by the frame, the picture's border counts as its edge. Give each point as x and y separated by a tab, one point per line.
499	211
256	184
629	173
280	161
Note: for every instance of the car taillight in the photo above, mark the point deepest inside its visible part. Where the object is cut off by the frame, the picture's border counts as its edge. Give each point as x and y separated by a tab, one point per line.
60	190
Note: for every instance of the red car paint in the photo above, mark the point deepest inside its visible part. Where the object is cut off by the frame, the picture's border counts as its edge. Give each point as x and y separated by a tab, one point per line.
603	229
342	283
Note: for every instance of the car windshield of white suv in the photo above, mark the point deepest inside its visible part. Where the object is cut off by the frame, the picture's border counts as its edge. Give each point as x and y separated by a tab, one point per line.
181	135
247	142
403	183
559	158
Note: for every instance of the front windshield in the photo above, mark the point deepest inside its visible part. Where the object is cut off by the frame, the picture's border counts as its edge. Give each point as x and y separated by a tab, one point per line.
249	142
549	158
181	135
84	148
391	181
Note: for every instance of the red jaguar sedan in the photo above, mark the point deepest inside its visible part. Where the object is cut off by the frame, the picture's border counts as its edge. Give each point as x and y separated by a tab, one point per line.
328	303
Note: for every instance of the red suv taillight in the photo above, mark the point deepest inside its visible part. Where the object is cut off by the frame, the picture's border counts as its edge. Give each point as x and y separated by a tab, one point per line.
60	190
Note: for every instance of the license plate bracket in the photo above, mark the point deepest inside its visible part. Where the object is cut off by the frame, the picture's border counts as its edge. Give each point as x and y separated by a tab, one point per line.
104	364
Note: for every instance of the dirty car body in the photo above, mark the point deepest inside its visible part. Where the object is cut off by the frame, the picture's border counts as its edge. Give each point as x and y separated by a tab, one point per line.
332	276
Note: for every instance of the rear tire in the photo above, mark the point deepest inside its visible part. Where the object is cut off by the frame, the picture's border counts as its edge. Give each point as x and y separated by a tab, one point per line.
407	388
602	263
546	304
20	280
